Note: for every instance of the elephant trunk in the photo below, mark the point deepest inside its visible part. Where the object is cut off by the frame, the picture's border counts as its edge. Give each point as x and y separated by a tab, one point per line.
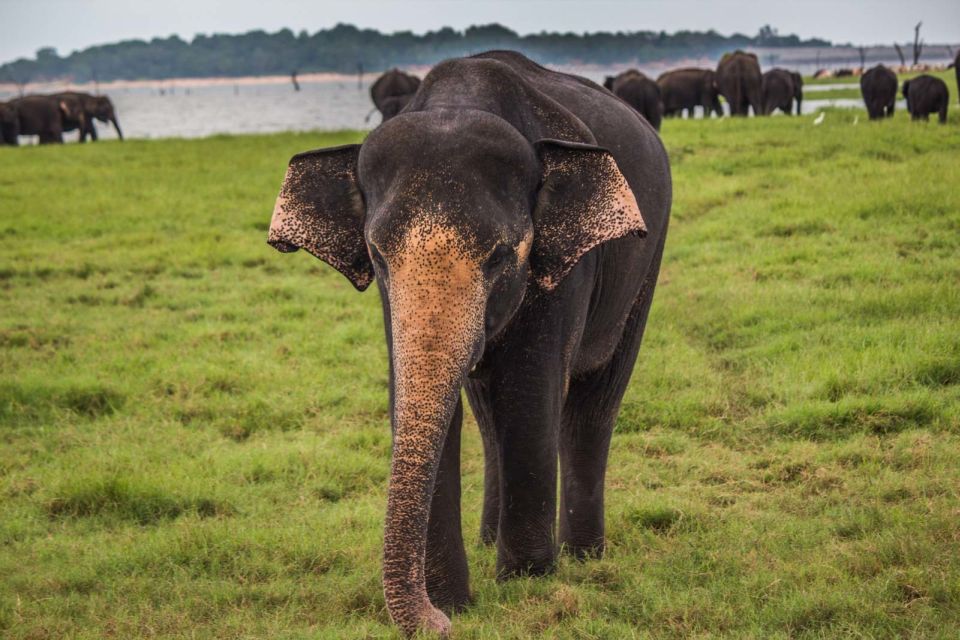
436	322
116	125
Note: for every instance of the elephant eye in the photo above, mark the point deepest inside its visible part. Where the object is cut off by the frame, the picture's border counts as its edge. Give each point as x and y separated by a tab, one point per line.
497	260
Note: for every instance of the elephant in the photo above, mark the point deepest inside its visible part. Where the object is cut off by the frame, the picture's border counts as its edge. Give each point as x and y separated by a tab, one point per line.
44	116
879	88
9	124
956	70
94	108
739	79
640	92
392	91
688	88
926	94
780	90
514	231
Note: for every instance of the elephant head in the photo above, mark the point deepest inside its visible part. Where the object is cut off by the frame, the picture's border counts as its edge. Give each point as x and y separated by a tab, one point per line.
101	108
73	110
457	217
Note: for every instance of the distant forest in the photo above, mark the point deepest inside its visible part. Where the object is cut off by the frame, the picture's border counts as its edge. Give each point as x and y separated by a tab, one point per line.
347	49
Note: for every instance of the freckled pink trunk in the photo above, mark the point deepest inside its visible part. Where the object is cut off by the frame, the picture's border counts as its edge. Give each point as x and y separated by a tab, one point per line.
430	358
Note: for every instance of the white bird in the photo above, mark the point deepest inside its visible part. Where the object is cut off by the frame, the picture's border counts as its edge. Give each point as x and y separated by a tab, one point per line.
819	120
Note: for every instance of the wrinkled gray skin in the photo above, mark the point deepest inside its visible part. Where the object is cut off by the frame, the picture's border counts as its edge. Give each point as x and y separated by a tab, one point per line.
43	116
740	80
926	94
513	219
94	108
640	92
780	90
392	91
9	124
686	89
878	85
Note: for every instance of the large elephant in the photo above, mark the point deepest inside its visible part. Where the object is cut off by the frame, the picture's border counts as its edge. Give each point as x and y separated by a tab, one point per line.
9	124
640	92
740	80
687	89
780	90
878	85
94	108
44	116
926	94
514	231
392	91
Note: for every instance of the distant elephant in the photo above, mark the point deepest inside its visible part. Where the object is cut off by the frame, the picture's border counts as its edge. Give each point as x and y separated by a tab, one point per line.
392	91
879	88
44	116
640	92
689	88
9	124
956	70
926	94
740	82
779	91
513	219
93	107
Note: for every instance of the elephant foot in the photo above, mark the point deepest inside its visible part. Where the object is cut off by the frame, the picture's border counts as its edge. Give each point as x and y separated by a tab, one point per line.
449	595
539	564
488	534
584	550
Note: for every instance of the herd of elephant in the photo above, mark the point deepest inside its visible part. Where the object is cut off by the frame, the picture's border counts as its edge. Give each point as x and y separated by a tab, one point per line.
738	78
49	116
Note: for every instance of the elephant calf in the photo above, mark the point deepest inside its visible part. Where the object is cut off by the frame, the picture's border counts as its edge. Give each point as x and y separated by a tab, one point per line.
514	231
926	94
879	88
640	92
686	89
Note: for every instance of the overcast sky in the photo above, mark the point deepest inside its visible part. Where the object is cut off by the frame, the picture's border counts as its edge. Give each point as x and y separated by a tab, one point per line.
27	25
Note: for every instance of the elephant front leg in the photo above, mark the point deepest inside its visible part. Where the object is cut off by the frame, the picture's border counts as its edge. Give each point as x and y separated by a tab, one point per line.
527	426
478	393
447	575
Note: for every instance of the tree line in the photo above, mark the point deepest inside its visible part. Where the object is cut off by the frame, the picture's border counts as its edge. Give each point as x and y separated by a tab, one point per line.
348	49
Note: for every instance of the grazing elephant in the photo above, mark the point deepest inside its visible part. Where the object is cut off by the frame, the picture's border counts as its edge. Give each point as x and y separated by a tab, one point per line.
740	82
780	90
392	91
879	88
44	116
926	94
640	92
94	108
689	88
514	231
9	124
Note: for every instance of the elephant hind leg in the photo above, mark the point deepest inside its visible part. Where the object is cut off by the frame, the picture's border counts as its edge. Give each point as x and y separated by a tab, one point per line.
447	575
589	416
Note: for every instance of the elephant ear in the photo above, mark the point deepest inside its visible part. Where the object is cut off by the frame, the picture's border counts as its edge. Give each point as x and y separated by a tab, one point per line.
584	200
320	209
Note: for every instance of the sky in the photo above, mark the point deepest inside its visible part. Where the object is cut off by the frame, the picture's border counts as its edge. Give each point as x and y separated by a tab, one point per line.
67	25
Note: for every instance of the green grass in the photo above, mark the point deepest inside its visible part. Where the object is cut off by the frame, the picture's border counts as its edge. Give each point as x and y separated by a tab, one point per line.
193	427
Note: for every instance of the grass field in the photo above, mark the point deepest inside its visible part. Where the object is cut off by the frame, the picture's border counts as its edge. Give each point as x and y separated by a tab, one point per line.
194	439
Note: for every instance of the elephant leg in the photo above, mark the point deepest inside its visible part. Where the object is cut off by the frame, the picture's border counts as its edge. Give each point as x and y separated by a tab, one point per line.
93	131
483	412
522	398
590	412
447	576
